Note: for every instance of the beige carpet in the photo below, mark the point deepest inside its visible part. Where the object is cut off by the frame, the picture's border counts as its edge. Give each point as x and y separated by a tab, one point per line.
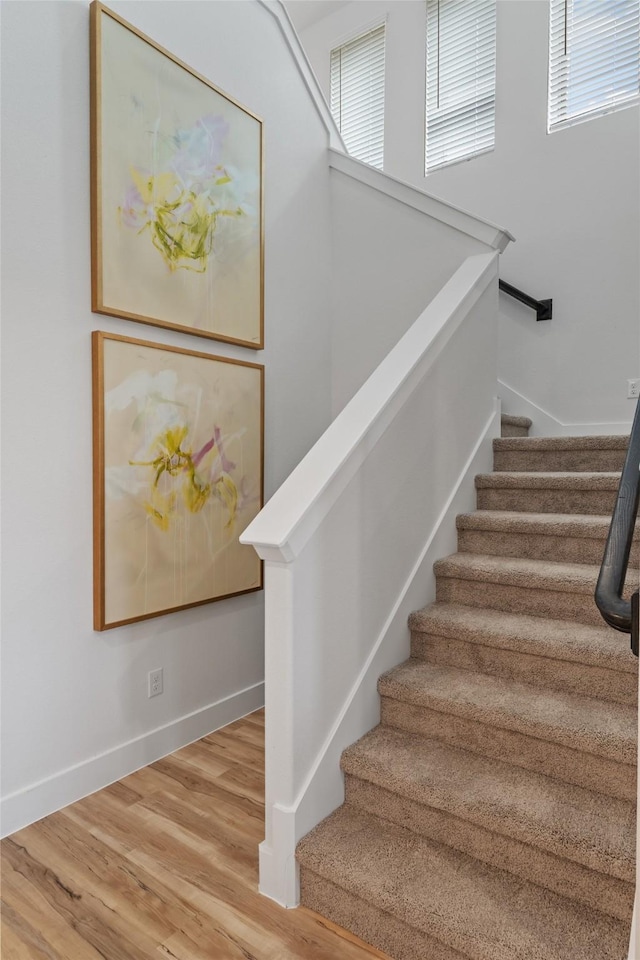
491	815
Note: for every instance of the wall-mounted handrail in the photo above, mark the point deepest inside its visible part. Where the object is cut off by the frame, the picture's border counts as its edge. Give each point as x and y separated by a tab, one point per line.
622	614
543	308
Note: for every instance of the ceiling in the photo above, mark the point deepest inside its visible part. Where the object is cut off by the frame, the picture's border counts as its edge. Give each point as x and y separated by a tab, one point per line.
305	13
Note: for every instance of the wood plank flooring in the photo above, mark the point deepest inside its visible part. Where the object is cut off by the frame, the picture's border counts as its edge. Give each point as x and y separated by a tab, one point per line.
162	864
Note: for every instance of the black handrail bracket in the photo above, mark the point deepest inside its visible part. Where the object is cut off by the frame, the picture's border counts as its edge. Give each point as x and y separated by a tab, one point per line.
543	308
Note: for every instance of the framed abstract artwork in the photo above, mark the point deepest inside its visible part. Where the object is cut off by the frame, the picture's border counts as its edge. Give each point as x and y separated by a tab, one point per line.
178	475
176	192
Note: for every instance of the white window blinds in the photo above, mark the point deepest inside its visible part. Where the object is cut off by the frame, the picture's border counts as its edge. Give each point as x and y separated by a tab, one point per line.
461	80
593	58
357	94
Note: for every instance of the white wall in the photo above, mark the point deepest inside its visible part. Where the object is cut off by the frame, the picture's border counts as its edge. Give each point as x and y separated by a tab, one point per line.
75	710
389	261
572	200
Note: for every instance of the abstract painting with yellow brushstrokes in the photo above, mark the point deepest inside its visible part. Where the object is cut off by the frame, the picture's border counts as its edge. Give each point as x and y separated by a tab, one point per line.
177	169
179	464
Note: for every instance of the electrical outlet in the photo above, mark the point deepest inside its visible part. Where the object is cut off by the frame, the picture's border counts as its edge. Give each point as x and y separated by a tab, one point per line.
156	683
633	389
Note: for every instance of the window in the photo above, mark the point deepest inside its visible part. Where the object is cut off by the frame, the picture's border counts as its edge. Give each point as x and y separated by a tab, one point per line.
593	58
357	94
461	80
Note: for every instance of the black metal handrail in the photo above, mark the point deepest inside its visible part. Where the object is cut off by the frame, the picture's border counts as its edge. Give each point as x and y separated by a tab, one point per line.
543	308
622	614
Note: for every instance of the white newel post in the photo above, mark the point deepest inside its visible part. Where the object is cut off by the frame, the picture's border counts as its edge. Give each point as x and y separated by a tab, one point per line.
278	874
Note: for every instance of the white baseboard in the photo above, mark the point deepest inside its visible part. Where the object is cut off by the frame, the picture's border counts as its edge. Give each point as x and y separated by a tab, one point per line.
19	809
323	789
279	872
546	425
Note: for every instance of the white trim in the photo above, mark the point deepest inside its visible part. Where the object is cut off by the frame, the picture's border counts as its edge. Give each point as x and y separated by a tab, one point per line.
593	114
455	163
31	803
546	425
288	520
277	10
360	31
279	874
493	235
323	790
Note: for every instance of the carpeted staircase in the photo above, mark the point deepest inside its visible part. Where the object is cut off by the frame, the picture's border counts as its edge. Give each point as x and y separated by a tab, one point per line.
515	426
491	815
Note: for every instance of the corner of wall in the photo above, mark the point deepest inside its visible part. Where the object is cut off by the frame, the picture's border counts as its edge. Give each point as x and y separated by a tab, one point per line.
38	800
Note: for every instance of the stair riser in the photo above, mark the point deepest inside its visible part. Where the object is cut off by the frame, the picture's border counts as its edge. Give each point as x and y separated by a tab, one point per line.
538	546
510	598
544	500
550	461
563	876
373	925
597	773
540	671
511	430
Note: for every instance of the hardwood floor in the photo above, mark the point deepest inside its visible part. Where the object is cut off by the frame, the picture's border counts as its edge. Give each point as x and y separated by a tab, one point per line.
161	864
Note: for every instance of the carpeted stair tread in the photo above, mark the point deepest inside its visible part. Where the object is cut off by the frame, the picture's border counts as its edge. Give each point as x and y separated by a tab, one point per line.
585	724
556	537
524	573
580	825
514	426
374	926
539	588
519	572
510	421
557	639
557	480
484	913
560	538
545	524
562	443
592	888
544	491
598	454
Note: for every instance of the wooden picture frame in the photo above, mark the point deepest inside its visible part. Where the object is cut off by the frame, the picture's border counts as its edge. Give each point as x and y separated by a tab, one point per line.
177	225
178	475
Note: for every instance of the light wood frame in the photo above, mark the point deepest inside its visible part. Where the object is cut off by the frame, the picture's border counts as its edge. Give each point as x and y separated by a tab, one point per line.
194	291
183	473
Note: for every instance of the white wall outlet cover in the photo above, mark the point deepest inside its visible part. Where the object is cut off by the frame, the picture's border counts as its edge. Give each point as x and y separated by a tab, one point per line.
633	389
156	682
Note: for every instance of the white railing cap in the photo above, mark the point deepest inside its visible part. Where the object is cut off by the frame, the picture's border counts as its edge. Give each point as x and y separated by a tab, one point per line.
278	10
484	230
